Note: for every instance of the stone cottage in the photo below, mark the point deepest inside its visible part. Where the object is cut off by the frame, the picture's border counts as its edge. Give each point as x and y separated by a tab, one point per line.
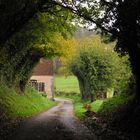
43	77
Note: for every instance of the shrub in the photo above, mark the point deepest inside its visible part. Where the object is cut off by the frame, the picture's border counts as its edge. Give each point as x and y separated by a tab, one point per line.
109	108
98	69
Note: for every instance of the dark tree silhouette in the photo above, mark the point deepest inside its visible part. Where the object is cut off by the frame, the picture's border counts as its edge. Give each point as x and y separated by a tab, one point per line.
16	13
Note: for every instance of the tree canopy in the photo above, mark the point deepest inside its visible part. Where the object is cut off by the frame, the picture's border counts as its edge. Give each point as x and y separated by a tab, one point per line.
98	68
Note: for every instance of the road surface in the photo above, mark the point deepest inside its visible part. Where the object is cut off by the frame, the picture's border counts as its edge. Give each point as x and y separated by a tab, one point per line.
58	123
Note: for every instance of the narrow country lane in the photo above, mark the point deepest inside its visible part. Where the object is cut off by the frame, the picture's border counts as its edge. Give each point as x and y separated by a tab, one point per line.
58	123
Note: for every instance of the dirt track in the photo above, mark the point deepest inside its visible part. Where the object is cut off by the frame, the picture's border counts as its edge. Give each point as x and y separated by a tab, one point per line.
58	123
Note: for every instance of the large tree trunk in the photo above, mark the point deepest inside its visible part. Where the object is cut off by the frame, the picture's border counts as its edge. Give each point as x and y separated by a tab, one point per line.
85	90
134	53
81	86
129	36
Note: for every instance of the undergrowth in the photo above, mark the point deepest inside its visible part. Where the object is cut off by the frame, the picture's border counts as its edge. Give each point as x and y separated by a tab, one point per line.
112	105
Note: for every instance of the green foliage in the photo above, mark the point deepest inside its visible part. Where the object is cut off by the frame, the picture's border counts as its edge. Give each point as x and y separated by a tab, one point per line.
79	110
111	105
113	20
98	68
14	105
41	37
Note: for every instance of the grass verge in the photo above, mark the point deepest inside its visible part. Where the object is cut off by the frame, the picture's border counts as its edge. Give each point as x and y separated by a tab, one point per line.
15	105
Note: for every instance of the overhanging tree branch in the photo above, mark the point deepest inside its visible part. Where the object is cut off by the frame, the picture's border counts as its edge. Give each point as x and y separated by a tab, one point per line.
88	18
16	20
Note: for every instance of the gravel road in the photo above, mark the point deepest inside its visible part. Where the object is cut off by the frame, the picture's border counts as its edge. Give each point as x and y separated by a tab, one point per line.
58	123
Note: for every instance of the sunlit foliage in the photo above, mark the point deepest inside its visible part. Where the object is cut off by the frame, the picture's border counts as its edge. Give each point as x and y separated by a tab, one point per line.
98	68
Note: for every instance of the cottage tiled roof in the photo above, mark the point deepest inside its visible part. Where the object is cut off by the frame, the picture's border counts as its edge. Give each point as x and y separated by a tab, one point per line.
45	67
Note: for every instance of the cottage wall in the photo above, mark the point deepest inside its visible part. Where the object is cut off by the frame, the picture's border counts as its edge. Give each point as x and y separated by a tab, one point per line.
43	72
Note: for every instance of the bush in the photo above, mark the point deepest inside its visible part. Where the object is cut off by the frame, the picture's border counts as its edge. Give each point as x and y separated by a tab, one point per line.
110	106
99	68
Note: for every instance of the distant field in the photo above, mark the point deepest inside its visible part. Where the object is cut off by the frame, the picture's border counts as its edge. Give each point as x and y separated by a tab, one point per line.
66	84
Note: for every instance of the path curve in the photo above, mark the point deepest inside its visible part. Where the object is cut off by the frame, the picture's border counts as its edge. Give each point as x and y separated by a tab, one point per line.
58	123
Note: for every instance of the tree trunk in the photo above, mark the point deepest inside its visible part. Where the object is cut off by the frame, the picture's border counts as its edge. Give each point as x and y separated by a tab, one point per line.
22	85
85	90
81	86
134	58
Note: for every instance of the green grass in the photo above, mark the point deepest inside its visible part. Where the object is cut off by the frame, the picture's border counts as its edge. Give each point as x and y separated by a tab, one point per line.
95	106
66	84
14	105
79	110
